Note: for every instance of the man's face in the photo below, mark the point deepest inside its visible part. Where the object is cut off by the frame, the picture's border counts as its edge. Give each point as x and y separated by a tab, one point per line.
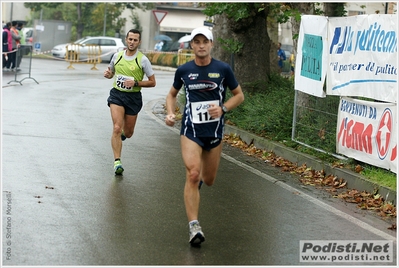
133	41
201	45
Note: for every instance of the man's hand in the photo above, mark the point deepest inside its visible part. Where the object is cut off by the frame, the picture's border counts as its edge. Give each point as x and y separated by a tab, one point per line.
108	73
128	83
170	120
215	111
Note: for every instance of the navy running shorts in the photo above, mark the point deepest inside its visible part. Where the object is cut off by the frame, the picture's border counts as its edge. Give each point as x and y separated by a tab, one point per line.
207	143
131	101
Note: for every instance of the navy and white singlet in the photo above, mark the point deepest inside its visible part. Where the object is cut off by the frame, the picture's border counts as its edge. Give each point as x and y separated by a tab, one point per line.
204	86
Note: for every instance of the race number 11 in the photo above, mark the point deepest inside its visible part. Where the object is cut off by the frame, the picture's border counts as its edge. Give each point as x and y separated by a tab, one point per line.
200	112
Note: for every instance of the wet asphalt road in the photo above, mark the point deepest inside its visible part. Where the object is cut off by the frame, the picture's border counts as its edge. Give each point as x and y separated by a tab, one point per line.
62	204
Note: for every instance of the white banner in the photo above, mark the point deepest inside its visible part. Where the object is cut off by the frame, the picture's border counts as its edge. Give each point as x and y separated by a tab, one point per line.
311	60
367	131
363	56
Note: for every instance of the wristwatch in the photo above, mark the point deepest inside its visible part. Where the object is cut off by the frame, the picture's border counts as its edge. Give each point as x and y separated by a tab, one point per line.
224	109
136	84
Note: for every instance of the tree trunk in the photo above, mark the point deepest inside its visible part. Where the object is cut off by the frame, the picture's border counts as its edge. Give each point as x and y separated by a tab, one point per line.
333	9
221	31
79	29
252	62
303	8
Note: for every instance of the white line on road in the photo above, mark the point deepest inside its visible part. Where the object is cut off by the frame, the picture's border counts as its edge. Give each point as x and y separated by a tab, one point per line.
313	200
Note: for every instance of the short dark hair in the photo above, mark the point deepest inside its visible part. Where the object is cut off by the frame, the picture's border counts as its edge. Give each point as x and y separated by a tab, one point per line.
14	23
135	31
20	24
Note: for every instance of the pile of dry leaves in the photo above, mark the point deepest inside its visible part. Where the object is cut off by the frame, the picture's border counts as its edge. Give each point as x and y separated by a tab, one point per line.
336	186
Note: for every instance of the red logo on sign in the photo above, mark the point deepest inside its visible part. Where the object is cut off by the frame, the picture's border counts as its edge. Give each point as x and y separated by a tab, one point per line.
383	136
159	15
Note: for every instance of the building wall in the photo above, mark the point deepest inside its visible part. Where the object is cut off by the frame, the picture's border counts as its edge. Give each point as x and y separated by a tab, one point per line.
358	8
54	32
352	8
14	11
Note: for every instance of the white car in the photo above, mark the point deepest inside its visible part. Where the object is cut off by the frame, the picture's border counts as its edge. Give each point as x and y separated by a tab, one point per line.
109	46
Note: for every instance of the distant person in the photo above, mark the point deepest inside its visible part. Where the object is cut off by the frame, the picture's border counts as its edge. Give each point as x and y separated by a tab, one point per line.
12	57
19	28
158	46
125	100
292	63
7	44
205	81
281	57
22	51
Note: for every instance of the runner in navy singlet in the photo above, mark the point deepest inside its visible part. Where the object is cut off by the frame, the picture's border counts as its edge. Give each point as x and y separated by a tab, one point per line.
206	86
205	81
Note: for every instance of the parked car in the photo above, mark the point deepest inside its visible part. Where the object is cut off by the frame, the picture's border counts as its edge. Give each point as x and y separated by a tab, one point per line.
109	46
287	51
28	32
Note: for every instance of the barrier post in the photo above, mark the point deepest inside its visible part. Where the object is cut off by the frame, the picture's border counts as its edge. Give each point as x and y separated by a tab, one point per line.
94	55
23	64
72	54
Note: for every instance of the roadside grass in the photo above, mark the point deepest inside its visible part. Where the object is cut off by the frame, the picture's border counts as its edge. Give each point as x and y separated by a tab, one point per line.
41	56
380	176
268	112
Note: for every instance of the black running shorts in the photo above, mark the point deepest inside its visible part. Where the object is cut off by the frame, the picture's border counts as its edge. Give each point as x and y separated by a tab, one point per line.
131	101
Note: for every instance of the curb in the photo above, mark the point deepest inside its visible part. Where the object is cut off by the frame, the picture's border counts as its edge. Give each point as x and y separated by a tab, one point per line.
163	68
354	180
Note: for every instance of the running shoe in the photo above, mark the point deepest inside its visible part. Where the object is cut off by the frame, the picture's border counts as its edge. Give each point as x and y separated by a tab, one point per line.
200	184
123	137
196	234
118	167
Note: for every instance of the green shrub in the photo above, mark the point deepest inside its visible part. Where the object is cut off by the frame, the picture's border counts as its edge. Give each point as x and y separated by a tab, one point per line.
266	111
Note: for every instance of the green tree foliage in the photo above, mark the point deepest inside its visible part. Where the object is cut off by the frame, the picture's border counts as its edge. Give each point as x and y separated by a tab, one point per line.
87	18
241	29
135	20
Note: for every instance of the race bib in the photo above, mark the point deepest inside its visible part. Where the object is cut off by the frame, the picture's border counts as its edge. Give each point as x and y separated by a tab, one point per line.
200	114
120	82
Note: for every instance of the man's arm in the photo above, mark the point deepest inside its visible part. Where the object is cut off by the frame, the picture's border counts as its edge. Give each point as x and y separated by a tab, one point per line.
15	36
171	106
110	71
148	83
238	97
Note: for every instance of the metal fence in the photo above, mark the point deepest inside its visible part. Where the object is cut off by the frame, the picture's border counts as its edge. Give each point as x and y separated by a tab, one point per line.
315	122
78	53
23	63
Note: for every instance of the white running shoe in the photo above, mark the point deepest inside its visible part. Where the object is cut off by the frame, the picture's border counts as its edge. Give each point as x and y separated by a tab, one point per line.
196	234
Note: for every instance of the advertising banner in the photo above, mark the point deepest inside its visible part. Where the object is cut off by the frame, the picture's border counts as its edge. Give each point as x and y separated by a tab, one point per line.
311	60
363	56
367	131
